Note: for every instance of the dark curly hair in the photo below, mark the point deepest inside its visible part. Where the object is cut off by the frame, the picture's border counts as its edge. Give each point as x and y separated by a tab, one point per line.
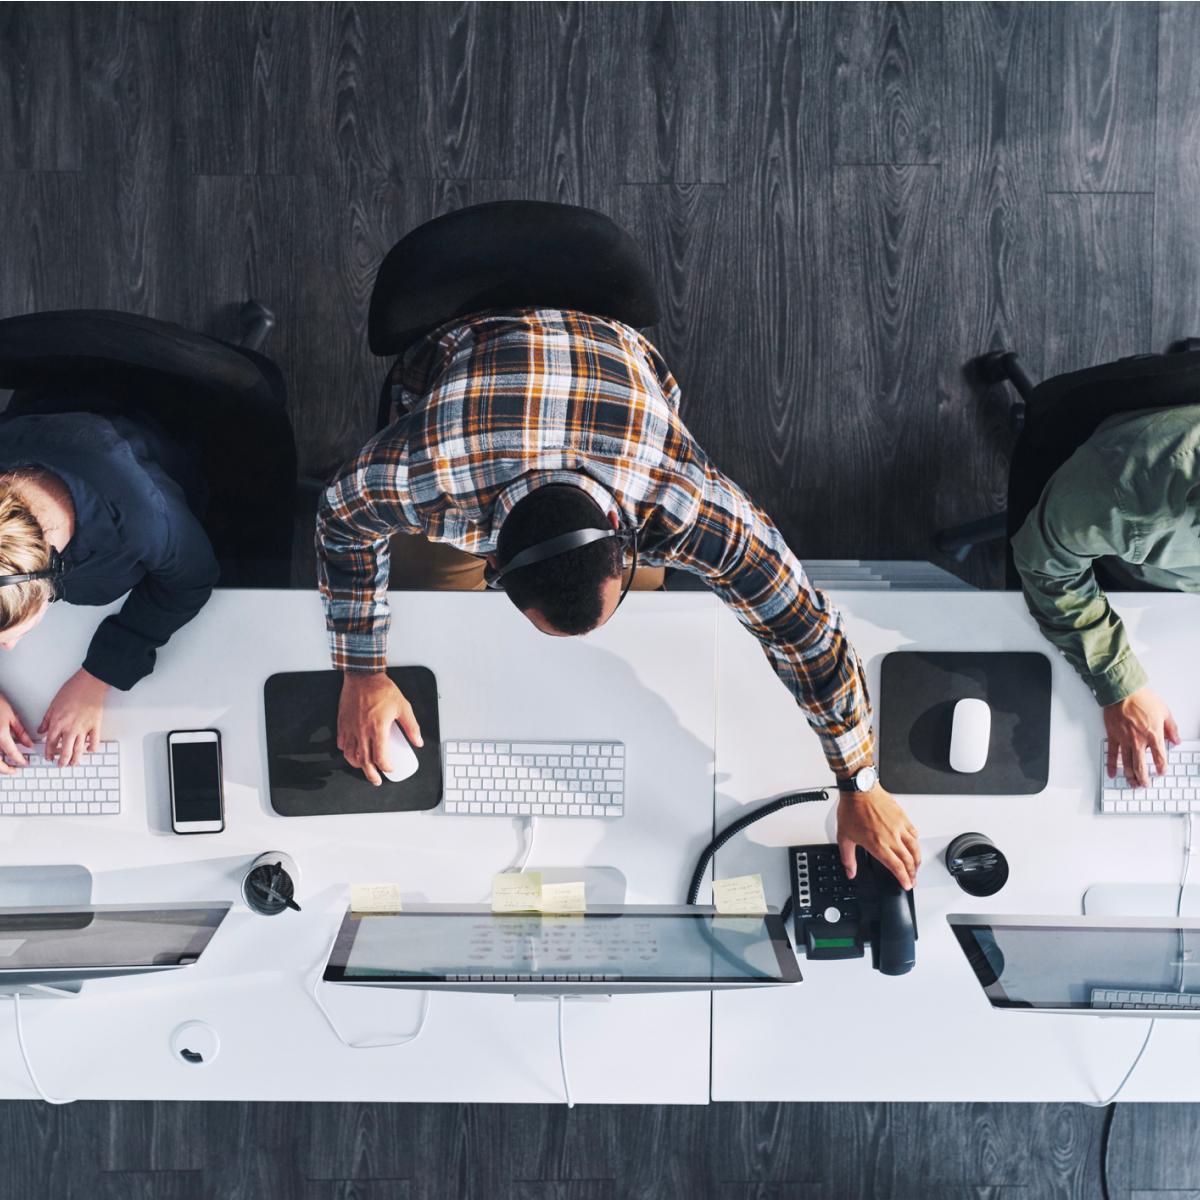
566	589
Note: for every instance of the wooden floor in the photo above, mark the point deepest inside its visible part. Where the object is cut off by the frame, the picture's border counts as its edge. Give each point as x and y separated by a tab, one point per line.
843	204
138	1151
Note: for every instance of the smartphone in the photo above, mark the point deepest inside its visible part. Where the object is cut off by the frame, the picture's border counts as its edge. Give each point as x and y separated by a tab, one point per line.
197	794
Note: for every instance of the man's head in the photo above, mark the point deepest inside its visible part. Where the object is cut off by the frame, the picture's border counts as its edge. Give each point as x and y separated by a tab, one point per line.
573	592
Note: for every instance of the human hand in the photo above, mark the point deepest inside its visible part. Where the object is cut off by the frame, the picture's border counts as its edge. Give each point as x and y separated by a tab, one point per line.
1139	722
12	738
370	702
72	722
874	821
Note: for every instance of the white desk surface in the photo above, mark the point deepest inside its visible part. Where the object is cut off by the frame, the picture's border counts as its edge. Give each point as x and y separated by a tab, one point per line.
848	1033
647	679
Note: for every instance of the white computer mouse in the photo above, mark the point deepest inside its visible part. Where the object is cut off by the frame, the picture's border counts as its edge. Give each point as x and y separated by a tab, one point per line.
970	733
401	755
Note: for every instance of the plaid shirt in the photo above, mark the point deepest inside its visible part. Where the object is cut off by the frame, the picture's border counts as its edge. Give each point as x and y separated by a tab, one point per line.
497	404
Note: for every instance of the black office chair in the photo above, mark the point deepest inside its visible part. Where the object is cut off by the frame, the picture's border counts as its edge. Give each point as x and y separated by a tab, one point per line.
1052	419
506	255
222	405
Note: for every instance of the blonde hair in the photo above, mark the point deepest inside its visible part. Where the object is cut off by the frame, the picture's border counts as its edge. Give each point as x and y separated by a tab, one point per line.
23	548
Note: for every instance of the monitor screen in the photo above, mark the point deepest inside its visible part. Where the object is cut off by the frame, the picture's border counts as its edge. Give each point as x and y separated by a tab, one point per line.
1057	962
100	936
631	946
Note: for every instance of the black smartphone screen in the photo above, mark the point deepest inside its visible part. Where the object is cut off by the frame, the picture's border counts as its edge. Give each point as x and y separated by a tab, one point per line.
196	781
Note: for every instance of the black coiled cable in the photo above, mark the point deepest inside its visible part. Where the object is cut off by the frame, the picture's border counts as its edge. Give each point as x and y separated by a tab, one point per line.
766	810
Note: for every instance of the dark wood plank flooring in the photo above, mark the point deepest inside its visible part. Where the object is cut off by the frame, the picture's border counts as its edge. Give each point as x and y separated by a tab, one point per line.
94	1151
843	204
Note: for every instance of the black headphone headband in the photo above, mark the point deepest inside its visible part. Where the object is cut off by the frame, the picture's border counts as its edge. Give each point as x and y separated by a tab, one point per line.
562	543
53	573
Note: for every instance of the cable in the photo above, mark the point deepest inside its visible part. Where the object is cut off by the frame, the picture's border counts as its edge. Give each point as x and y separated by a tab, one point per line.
33	1079
741	823
378	1041
1110	1104
531	827
562	1055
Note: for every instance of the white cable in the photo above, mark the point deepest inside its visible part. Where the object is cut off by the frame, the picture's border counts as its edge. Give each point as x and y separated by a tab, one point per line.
378	1041
531	831
1189	832
562	1056
33	1079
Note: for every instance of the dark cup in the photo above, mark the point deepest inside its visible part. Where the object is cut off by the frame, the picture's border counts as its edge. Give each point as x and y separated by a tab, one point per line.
977	866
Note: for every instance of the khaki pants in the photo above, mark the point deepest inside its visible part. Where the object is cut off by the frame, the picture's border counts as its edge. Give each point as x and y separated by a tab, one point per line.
420	565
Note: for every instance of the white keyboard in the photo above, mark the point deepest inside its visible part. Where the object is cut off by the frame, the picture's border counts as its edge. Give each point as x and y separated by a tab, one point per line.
1134	998
1178	791
44	789
534	779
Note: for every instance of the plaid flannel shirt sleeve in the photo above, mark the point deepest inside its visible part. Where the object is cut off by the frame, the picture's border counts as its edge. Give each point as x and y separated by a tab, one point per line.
358	514
737	549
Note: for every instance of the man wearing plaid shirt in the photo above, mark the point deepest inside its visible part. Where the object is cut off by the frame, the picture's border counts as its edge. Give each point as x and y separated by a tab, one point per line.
496	406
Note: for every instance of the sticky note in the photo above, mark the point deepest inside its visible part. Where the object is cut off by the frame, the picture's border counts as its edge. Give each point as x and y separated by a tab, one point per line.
563	898
375	897
517	891
739	896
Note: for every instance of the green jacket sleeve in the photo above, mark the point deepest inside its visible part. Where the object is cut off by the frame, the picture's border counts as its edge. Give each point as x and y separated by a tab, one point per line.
1078	519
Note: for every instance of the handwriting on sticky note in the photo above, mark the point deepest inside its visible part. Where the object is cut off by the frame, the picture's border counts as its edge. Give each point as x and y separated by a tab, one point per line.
740	896
375	897
563	898
517	891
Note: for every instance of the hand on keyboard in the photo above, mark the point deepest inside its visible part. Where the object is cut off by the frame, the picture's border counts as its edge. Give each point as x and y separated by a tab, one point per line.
72	722
12	738
1134	725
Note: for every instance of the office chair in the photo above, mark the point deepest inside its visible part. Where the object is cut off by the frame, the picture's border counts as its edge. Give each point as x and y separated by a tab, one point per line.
222	405
1052	419
506	255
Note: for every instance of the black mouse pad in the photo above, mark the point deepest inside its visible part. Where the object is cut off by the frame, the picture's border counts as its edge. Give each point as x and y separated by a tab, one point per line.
308	775
917	694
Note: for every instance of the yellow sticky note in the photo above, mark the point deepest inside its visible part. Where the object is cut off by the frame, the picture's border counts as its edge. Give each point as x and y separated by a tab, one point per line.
740	925
563	898
375	897
739	896
517	891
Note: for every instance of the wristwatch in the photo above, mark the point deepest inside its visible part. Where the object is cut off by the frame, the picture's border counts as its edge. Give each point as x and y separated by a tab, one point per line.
863	780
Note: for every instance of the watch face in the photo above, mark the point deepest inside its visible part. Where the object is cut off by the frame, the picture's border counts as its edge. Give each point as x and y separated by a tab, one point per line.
865	779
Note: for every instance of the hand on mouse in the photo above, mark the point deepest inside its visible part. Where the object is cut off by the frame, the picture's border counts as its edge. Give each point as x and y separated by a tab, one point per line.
874	821
370	702
1139	722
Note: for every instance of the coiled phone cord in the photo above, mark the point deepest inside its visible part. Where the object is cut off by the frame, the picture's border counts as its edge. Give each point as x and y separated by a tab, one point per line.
741	823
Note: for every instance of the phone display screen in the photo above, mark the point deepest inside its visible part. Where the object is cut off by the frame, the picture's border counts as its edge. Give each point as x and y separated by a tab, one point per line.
196	781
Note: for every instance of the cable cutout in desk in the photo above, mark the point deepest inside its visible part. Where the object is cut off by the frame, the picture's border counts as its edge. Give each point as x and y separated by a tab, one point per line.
33	1079
378	1041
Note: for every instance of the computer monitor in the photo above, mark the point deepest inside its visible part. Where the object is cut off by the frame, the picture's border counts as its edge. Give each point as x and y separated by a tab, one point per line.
607	950
55	949
1107	966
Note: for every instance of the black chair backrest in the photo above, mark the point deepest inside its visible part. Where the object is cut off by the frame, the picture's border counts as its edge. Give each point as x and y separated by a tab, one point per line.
92	348
1063	412
507	255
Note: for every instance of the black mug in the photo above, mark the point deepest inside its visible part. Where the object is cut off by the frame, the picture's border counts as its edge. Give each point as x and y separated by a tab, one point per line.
976	865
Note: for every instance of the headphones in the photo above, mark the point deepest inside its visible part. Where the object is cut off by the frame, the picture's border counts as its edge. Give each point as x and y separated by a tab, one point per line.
625	534
54	573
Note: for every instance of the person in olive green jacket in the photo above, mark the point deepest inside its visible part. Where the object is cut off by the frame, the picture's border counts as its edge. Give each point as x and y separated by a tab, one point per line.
1130	496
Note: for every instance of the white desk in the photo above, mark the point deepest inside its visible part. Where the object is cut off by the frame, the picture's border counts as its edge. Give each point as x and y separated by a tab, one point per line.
848	1033
647	679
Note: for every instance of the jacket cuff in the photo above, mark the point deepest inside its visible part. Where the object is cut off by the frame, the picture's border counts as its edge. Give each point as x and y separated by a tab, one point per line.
849	752
358	651
1120	680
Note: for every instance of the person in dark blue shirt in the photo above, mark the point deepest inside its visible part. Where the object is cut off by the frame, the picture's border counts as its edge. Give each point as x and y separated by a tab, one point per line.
107	507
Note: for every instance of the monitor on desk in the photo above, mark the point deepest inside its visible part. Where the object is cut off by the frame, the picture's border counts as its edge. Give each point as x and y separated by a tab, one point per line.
51	951
1110	966
607	950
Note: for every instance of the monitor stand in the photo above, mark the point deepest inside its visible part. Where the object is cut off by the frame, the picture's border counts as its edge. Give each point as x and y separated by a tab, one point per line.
1140	900
57	885
54	886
